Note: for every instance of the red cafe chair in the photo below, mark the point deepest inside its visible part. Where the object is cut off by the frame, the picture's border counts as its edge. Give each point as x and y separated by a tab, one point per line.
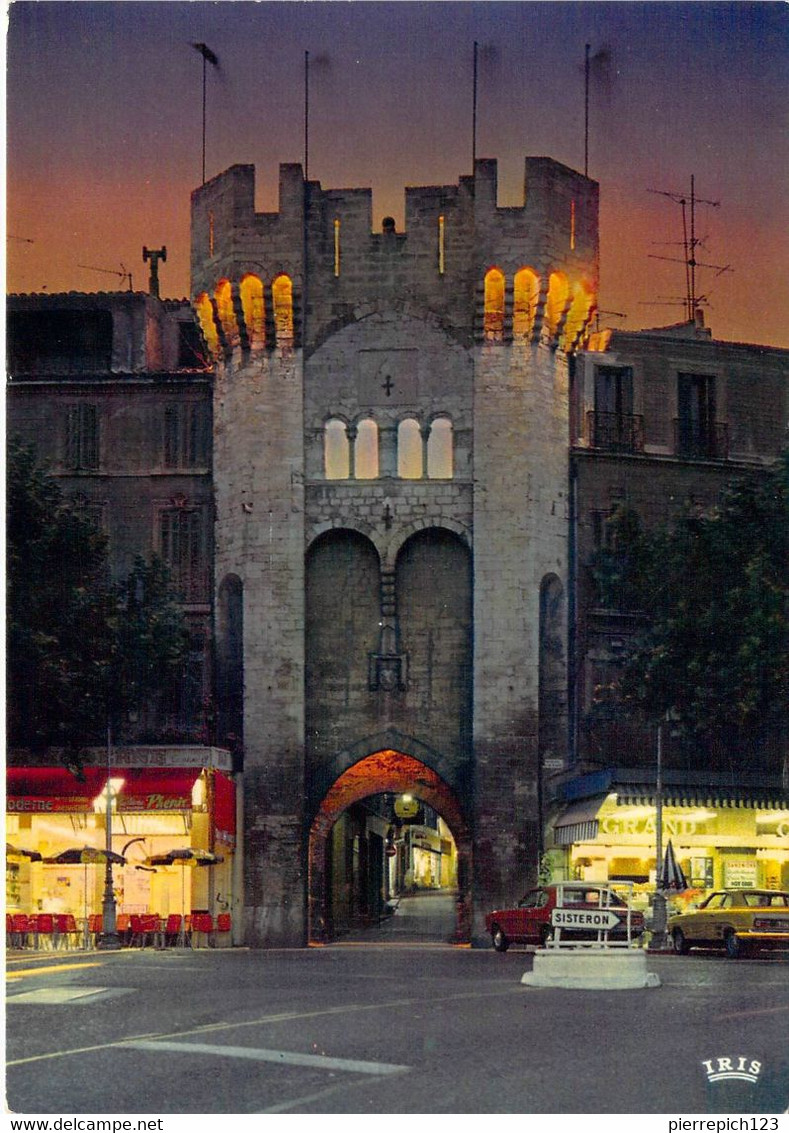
202	925
223	922
20	930
66	931
172	928
43	930
123	927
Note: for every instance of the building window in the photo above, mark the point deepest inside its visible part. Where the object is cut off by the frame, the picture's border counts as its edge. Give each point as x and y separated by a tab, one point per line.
409	450
253	306
282	299
556	304
186	435
205	316
494	305
183	544
82	438
439	450
526	292
612	424
366	450
336	451
225	309
697	433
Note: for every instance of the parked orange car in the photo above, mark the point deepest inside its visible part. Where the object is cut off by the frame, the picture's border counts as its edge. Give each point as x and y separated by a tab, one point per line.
739	920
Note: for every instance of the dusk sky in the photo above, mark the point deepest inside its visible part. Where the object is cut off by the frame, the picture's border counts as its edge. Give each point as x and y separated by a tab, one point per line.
105	126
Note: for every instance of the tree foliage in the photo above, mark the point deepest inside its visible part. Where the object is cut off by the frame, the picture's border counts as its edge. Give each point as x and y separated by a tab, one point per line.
82	650
714	592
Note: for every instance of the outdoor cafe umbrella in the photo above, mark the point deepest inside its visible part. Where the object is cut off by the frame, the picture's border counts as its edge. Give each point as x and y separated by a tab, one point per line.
17	853
85	856
672	877
184	856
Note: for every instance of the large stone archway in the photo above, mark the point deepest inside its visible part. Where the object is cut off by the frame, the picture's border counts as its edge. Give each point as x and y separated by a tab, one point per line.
386	772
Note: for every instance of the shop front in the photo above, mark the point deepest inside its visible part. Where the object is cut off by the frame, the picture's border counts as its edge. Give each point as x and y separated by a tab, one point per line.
723	836
159	800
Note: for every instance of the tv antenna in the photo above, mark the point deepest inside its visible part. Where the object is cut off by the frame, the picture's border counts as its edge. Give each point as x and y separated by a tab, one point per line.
690	244
123	274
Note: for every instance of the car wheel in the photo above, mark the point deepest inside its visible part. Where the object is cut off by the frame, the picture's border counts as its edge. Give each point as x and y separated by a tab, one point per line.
681	946
734	947
500	942
546	934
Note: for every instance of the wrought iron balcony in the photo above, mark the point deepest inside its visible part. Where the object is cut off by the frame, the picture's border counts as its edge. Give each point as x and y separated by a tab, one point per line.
701	442
616	432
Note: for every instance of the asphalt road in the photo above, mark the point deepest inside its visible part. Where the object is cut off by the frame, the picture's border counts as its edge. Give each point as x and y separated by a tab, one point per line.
383	1028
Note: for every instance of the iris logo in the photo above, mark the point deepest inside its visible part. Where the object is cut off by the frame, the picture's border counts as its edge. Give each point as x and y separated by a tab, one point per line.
726	1069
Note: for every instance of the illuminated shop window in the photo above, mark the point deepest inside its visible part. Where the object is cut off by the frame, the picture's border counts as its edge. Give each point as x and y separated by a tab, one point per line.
409	450
224	306
253	306
205	316
494	305
336	450
282	297
366	450
558	294
526	292
439	450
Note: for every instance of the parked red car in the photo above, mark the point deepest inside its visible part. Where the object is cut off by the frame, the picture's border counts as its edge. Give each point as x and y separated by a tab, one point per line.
531	921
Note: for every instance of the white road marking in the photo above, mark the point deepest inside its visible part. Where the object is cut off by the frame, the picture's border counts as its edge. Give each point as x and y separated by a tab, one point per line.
56	995
279	1057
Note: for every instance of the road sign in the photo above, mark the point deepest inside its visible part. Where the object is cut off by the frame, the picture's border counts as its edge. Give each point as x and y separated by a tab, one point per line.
596	919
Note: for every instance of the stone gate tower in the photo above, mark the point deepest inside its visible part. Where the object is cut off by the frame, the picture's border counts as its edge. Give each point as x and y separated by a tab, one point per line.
390	462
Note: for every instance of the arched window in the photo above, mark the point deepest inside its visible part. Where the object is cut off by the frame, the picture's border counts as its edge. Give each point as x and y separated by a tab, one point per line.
224	306
282	298
205	316
579	314
526	291
252	304
336	454
439	450
558	293
494	305
366	450
409	449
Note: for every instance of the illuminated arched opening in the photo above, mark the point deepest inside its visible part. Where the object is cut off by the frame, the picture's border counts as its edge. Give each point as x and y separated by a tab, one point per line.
385	772
336	451
205	316
282	298
224	307
253	306
409	450
366	450
580	312
494	305
558	294
526	291
439	450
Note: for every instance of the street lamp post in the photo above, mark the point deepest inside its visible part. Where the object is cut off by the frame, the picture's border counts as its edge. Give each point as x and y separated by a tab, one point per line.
109	941
659	908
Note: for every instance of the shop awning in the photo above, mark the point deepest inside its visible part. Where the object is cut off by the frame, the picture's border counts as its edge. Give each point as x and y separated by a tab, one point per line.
720	798
41	790
577	822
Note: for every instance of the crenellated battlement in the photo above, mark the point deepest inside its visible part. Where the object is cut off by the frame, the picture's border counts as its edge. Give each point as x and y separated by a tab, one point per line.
263	280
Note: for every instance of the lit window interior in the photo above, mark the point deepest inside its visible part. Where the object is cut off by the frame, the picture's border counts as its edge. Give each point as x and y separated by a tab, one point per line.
366	450
282	297
439	450
224	306
336	453
409	450
558	293
580	312
205	316
253	306
494	305
526	292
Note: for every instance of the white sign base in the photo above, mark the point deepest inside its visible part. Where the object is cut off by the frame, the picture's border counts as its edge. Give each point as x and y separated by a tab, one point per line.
590	969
